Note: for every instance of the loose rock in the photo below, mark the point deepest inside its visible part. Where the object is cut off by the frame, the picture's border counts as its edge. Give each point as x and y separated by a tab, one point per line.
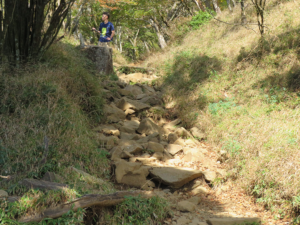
132	174
173	149
175	177
186	206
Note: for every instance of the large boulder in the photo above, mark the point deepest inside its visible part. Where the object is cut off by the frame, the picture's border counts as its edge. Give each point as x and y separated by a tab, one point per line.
108	130
132	174
175	177
102	57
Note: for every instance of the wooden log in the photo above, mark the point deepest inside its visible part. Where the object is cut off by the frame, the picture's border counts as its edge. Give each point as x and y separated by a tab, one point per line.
41	184
84	202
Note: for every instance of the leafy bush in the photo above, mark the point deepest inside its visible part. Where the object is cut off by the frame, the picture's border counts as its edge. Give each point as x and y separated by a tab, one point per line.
200	19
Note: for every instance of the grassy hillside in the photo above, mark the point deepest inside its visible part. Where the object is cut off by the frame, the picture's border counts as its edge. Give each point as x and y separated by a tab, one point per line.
57	101
244	97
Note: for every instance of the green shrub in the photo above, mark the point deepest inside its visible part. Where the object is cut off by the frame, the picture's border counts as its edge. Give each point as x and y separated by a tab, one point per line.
200	19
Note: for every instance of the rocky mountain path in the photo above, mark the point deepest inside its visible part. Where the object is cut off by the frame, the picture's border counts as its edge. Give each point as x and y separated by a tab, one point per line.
150	150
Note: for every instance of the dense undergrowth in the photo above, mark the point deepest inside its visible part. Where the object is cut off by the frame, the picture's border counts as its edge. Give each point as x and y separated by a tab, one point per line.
243	92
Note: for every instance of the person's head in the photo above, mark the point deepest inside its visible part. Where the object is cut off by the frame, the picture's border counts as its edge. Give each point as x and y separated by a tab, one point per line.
105	16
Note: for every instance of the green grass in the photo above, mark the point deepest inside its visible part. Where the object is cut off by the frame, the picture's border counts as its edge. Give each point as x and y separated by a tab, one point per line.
58	101
137	210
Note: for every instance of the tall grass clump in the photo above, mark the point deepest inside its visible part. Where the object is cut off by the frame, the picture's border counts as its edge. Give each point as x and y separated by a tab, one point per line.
47	110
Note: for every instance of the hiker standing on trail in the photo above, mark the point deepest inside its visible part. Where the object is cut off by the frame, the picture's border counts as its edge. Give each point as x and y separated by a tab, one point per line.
106	30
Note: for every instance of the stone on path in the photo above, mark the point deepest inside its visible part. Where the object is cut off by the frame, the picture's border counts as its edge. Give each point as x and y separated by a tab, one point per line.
199	190
195	200
134	90
172	125
182	132
173	149
172	138
186	206
127	136
147	126
232	221
210	175
113	113
126	103
132	174
197	133
108	130
182	221
155	147
175	177
130	126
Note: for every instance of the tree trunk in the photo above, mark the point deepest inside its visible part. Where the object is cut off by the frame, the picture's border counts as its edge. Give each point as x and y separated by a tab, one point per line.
243	13
229	6
207	4
25	32
233	3
200	5
161	39
216	7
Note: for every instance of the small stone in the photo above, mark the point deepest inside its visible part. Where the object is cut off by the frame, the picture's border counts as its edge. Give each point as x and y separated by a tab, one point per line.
197	133
186	206
158	155
156	147
167	190
199	190
172	137
232	221
210	175
195	200
183	220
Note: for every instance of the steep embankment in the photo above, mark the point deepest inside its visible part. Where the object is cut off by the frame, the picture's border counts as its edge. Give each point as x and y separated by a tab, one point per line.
47	111
244	98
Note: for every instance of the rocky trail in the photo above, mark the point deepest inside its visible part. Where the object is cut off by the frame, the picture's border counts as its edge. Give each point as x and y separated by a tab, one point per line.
151	152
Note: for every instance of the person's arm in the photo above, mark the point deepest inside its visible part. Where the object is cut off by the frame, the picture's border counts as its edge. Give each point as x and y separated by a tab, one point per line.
112	32
111	36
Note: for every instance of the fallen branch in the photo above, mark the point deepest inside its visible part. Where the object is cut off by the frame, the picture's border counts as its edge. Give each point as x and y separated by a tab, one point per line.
84	202
5	177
